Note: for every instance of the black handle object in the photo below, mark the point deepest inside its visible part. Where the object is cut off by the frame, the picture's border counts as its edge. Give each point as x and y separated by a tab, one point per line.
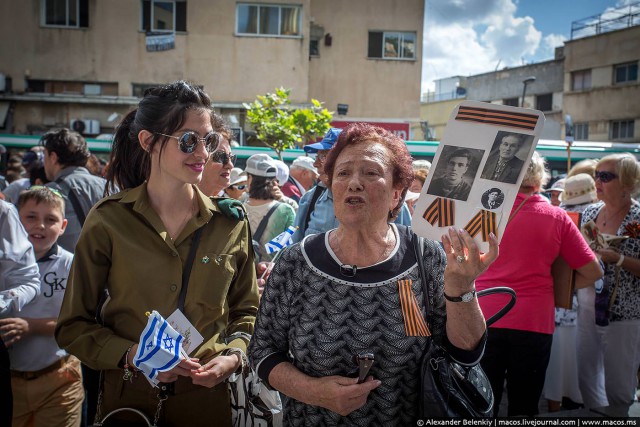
504	310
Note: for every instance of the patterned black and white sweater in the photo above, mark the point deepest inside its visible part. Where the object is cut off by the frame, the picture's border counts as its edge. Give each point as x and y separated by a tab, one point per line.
316	318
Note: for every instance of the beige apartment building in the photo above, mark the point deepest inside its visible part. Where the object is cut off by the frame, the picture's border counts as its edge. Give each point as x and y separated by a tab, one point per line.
601	85
89	61
593	79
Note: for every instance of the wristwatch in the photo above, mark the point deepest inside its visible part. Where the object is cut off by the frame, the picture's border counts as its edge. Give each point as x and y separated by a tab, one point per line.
466	297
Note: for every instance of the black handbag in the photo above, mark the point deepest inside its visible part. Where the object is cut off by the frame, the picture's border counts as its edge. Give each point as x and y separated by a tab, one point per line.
449	388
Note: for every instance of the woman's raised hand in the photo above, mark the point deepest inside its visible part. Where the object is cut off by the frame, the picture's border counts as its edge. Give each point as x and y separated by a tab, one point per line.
464	260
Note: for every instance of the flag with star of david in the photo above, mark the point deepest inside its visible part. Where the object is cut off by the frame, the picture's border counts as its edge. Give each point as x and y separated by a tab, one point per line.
281	240
159	349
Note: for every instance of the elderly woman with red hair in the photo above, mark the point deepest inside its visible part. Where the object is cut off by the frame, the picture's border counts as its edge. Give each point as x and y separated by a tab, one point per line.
337	294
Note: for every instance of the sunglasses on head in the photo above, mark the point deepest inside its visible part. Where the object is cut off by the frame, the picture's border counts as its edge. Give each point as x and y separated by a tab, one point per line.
41	187
223	157
605	176
189	141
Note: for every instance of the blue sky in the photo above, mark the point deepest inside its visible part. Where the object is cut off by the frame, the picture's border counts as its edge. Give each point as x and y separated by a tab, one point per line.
467	37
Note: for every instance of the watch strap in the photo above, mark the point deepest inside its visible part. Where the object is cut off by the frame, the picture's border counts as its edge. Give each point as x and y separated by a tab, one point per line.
466	297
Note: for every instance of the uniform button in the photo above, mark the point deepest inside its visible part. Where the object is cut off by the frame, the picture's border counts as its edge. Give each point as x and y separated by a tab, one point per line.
174	287
218	259
173	253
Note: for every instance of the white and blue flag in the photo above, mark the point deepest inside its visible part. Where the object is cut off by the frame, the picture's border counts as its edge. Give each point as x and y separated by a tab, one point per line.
281	240
160	348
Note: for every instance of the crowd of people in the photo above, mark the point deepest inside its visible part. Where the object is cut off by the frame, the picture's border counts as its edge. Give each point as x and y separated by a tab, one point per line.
171	223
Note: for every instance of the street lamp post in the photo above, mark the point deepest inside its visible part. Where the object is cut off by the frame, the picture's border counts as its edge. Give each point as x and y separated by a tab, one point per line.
525	82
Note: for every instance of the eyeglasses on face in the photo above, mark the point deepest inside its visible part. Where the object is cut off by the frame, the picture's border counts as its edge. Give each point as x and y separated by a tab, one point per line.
605	176
42	187
189	141
223	157
239	187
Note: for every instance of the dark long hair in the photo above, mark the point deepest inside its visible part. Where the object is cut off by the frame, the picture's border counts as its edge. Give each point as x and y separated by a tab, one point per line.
163	109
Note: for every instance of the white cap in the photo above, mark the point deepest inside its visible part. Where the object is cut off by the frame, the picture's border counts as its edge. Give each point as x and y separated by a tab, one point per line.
261	165
237	176
282	173
304	162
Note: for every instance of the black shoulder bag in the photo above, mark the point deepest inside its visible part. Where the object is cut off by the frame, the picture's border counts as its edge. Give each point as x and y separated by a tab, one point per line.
449	388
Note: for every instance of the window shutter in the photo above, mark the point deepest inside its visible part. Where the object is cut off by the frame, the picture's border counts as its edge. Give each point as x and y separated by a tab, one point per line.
146	15
181	16
375	44
84	13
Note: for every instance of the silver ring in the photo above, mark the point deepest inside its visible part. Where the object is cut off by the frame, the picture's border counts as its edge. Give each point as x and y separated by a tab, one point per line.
460	259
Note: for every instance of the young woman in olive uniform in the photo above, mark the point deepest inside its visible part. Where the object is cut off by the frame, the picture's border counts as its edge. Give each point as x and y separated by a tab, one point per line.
135	244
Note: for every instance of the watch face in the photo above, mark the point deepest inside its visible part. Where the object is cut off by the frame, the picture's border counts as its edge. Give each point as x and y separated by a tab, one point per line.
467	297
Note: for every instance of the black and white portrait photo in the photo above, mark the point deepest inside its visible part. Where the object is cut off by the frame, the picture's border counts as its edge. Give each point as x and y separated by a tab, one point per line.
504	163
455	172
492	198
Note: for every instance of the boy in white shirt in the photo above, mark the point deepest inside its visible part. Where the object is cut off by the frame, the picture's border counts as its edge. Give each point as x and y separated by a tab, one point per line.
46	381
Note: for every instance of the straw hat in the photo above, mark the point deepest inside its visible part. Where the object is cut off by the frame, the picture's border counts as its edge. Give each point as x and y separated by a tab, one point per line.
579	189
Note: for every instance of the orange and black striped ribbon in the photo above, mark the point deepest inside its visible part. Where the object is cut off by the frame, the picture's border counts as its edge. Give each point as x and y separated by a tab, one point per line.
414	322
441	211
497	117
484	221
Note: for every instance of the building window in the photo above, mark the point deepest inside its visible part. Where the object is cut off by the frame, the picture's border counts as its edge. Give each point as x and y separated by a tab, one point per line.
65	13
314	49
581	80
70	87
513	102
392	45
268	20
138	89
622	129
544	102
164	16
581	131
625	73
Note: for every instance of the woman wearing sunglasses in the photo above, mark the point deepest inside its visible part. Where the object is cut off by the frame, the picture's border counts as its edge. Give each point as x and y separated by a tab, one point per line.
136	244
610	349
217	172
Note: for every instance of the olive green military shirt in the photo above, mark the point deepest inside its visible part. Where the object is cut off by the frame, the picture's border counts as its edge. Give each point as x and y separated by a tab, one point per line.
125	248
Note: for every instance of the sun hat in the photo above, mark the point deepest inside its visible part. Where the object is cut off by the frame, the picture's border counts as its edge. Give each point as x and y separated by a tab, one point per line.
261	165
579	189
327	142
304	162
237	176
282	172
558	185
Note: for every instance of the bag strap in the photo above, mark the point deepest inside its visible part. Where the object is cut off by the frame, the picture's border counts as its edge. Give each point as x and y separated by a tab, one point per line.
75	203
418	245
317	192
263	224
518	208
186	273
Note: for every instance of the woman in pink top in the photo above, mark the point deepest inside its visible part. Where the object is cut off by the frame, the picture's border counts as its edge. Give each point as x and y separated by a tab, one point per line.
519	345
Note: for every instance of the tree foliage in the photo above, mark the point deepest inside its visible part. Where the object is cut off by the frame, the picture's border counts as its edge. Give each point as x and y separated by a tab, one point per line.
280	126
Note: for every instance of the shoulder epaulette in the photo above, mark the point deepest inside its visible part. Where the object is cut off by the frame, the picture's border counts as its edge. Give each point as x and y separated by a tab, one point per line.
231	208
113	197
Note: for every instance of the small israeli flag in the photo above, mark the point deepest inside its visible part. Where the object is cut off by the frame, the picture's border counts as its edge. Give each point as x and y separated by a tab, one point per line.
281	240
159	349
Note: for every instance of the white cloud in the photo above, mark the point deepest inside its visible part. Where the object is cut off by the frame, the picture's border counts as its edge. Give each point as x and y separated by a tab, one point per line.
465	37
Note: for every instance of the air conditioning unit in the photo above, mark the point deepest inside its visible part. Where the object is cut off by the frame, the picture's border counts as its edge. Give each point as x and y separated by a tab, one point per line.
85	126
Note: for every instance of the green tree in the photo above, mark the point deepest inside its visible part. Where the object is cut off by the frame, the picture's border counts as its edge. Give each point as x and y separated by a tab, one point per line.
280	126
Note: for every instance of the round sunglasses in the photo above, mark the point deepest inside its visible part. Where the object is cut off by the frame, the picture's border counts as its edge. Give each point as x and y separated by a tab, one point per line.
605	176
189	141
223	157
